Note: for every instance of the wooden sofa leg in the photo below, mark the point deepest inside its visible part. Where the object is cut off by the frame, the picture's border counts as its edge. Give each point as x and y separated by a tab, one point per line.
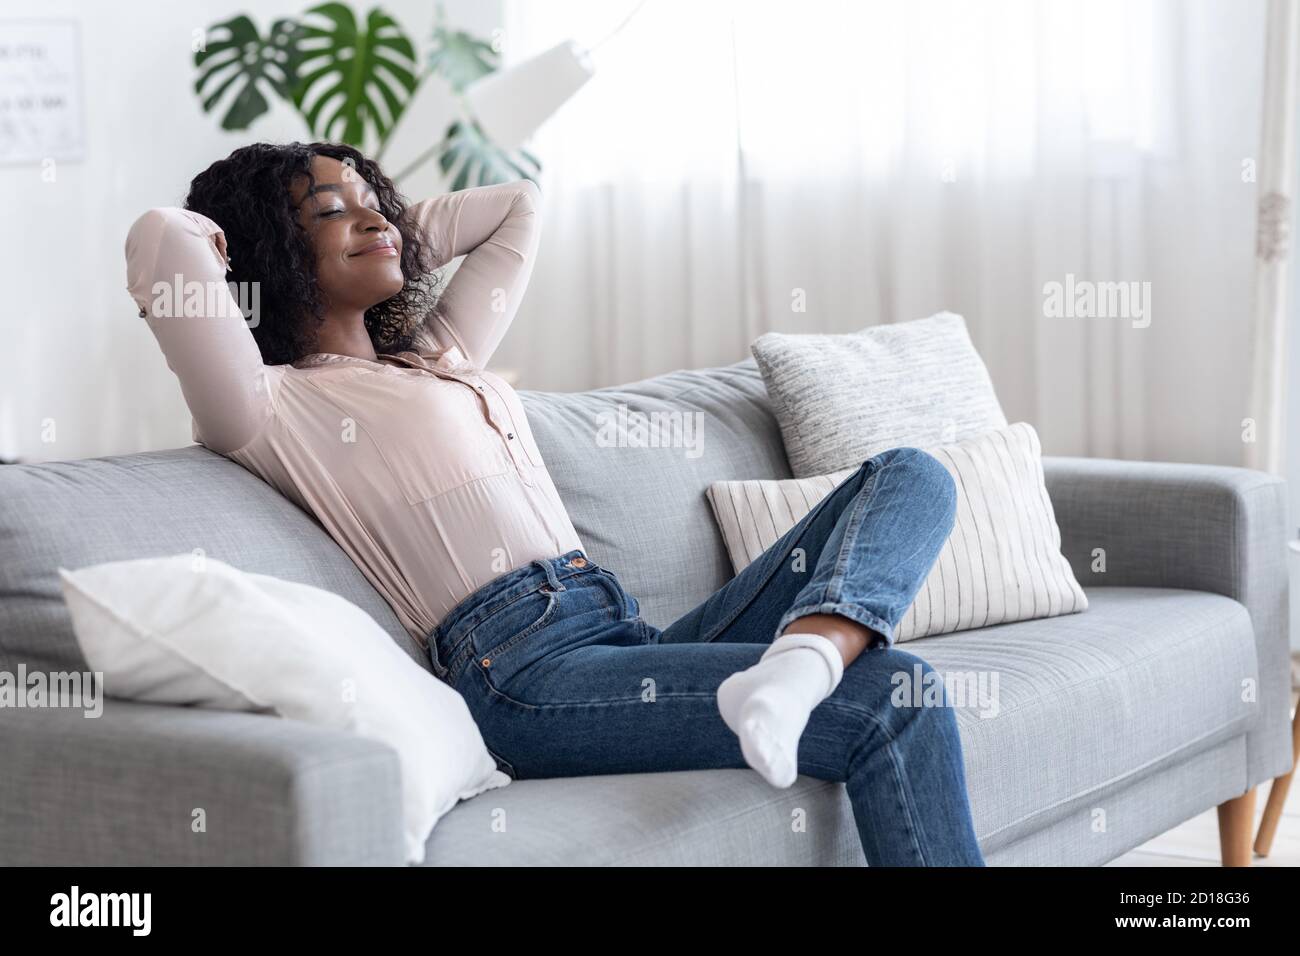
1277	794
1236	827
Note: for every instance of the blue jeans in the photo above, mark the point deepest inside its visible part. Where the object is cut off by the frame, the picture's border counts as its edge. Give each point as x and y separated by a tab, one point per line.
565	678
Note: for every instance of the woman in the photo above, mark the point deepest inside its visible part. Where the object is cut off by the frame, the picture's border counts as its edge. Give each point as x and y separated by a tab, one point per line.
366	401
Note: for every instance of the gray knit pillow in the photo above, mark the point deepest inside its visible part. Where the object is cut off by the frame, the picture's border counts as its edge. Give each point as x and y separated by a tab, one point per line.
840	399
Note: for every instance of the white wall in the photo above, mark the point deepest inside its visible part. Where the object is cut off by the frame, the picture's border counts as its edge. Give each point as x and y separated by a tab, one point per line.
72	348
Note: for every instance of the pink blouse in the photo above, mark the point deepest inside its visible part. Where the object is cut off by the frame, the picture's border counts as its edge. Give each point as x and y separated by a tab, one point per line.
420	465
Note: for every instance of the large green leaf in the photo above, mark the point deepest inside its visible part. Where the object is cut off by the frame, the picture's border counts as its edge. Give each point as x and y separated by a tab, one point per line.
353	80
474	160
235	52
460	58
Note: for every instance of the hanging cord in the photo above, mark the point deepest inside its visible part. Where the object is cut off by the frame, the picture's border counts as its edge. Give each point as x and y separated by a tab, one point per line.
613	33
439	146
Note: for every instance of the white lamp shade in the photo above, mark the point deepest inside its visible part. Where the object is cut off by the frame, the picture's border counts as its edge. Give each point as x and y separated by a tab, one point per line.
511	104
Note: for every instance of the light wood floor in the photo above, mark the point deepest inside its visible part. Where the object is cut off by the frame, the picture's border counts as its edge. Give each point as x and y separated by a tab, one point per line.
1196	842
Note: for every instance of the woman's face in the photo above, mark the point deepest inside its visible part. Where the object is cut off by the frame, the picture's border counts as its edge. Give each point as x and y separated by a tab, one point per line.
358	252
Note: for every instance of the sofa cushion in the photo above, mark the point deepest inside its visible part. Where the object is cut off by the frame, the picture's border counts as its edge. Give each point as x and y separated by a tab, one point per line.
640	506
681	818
1087	707
1087	704
77	513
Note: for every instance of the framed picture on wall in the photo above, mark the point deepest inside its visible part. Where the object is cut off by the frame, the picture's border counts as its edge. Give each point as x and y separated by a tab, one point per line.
40	91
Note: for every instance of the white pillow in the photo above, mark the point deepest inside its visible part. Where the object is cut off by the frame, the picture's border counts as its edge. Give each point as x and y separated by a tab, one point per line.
1001	563
192	630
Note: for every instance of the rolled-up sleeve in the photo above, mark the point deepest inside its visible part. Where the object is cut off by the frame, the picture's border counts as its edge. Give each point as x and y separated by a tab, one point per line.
176	274
497	229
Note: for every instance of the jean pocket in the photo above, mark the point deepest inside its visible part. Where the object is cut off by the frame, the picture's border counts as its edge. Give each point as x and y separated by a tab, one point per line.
505	627
628	606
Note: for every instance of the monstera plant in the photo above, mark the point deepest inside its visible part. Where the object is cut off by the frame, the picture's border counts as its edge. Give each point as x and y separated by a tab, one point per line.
351	81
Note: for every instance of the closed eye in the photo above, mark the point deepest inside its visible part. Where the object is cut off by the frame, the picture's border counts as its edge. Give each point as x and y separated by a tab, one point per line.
329	213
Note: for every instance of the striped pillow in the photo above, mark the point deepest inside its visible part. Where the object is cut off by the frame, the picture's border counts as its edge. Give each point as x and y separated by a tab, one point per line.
1001	563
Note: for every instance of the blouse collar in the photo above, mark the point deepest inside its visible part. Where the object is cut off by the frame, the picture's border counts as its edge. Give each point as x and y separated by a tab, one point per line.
444	358
329	358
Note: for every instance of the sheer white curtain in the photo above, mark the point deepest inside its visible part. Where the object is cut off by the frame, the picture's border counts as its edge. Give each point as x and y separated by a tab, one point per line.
1272	247
737	167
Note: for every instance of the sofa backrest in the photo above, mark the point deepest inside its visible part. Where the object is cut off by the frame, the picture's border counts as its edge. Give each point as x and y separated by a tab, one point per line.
76	513
640	511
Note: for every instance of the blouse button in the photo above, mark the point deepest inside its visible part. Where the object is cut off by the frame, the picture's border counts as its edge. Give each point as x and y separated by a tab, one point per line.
510	434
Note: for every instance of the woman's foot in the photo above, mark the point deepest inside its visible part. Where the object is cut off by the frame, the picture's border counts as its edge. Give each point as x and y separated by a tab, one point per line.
768	705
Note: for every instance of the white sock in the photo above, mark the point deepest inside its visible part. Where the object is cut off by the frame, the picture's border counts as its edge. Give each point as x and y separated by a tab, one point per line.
768	705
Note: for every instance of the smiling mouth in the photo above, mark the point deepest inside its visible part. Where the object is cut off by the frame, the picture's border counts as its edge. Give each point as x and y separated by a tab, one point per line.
380	247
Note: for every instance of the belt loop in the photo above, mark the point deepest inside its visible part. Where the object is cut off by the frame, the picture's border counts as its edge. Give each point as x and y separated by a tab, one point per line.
552	578
439	670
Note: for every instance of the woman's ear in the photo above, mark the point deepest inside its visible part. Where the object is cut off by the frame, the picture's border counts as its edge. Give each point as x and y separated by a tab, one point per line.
220	239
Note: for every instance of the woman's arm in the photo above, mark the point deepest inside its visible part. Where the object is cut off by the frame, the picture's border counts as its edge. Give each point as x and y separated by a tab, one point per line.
499	227
176	273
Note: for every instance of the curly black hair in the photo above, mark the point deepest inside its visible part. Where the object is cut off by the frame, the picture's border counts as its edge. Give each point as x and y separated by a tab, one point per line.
247	195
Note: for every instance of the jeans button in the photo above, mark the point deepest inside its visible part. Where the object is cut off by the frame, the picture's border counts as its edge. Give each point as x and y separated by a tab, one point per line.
579	562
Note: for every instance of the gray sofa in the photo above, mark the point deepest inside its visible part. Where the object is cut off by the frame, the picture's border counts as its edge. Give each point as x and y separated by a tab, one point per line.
1167	697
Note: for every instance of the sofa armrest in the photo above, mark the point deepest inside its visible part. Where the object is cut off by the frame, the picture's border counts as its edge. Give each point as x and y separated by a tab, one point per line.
1201	527
147	784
